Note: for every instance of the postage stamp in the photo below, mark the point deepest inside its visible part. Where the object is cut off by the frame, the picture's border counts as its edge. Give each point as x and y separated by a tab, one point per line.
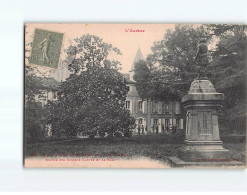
46	48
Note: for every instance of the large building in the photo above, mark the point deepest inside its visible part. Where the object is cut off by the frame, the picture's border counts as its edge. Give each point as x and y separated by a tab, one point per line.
154	116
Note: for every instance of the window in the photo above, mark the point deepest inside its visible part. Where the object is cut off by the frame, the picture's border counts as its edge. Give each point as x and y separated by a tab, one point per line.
177	108
166	122
127	105
140	121
170	107
166	108
159	107
177	123
128	87
140	103
155	106
155	121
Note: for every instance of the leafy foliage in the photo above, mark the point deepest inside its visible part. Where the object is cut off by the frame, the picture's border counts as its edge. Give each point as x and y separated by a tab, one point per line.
229	67
143	78
92	99
32	84
171	68
171	63
34	112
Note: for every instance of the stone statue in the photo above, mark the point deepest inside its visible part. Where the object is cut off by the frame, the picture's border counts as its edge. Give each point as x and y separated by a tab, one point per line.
201	59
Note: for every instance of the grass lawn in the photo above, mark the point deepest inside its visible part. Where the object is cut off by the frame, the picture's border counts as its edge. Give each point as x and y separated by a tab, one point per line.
157	147
153	146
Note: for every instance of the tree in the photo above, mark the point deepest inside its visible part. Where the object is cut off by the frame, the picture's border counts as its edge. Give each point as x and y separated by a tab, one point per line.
143	78
92	99
229	67
171	63
32	84
168	71
172	69
34	112
229	57
35	122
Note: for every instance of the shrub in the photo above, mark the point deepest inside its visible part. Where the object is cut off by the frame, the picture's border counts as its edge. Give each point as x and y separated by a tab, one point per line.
128	134
118	134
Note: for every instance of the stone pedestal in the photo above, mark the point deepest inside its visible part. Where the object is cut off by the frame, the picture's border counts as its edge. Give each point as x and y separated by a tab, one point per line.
202	142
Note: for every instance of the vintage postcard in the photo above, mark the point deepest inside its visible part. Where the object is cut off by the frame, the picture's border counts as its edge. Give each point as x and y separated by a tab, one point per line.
135	95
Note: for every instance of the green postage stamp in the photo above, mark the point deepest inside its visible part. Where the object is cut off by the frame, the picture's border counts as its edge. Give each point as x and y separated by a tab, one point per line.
46	48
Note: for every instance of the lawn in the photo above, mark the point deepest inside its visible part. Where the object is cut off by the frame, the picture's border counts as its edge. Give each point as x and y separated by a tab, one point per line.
154	146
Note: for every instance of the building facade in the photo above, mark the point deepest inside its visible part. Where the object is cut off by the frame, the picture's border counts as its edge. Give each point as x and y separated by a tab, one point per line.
152	116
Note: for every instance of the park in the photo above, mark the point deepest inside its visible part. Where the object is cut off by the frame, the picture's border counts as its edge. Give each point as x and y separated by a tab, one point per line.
191	84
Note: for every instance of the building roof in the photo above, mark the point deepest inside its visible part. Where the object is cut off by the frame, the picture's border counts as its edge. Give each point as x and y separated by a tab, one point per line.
127	77
48	83
130	81
138	57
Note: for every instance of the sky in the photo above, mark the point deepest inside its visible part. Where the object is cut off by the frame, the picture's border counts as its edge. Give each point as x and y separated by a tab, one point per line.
118	35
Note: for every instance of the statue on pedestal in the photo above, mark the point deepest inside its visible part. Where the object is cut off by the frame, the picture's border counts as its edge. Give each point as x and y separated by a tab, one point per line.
202	145
201	59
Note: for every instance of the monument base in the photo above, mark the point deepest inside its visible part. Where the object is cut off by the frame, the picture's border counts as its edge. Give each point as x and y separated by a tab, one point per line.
177	162
203	154
203	151
202	145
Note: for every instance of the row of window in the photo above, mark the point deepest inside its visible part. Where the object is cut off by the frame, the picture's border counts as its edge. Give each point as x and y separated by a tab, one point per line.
140	105
156	122
161	123
158	107
171	107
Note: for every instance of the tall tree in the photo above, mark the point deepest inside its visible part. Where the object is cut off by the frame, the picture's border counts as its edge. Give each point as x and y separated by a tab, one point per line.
34	112
92	99
171	63
229	67
143	78
172	68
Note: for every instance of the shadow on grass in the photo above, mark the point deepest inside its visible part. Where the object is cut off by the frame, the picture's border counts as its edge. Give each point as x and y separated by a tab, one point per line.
154	146
157	147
